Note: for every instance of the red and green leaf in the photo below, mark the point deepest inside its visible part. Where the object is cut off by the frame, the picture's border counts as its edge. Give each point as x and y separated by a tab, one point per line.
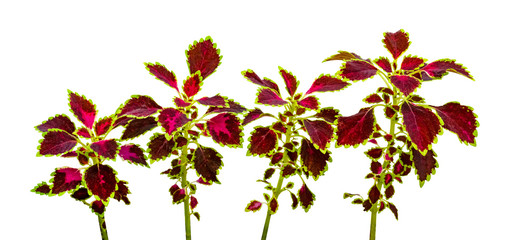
329	114
138	126
355	129
394	210
180	102
162	73
384	63
253	206
396	42
61	121
98	207
203	56
374	194
122	192
327	83
374	153
84	132
306	197
101	181
171	119
254	78
356	70
320	133
217	101
103	125
139	106
314	161
159	147
42	188
438	69
425	165
407	84
233	107
263	140
207	162
269	97
421	124
82	108
373	98
56	142
81	194
291	83
65	179
193	202
310	102
412	62
133	154
225	129
253	115
460	120
343	55
105	148
178	194
192	84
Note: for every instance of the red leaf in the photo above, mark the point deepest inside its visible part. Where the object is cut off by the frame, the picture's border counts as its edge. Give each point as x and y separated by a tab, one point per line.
407	84
225	129
355	129
65	179
268	83
42	188
412	62
374	194
313	160
207	163
139	106
273	205
376	167
396	42
103	125
294	200
320	132
384	63
56	142
122	192
421	124
84	132
193	202
374	153
217	101
138	126
122	121
394	210
424	164
100	180
233	107
440	68
253	115
269	97
310	102
459	119
172	119
61	121
253	206
329	114
373	98
357	70
162	73
105	148
133	154
82	108
203	56
180	102
97	207
343	55
192	84
159	147
290	81
81	194
306	197
263	140
327	83
178	194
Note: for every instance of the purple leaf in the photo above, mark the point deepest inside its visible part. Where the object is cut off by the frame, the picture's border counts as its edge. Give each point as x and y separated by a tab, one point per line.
207	162
133	154
178	194
103	125
122	121
294	200
138	126
421	124
314	161
263	140
269	97
327	83
279	126
320	133
253	206
440	68
82	108
61	121
139	106
180	102
65	179
105	148
159	147
56	142
268	173
225	129
203	56
100	180
172	119
357	70
343	55
290	81
193	202
310	102
306	197
396	42
355	129
384	63
424	164
252	77
459	119
192	85
412	62
162	73
217	101
407	84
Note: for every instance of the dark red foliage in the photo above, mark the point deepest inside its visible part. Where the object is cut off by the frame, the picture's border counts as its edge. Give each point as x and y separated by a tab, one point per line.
310	102
163	74
411	63
384	63
439	68
313	160
329	114
133	153
57	142
376	167
100	180
389	192
138	126
373	98
207	162
253	206
193	202
356	70
396	42
343	55
252	115
407	84
103	125
97	207
263	140
217	101
374	194
203	56
320	132
291	83
252	77
84	132
306	197
65	179
171	119
424	164
421	124
459	119
355	129
159	147
326	83
139	106
81	194
82	108
269	97
178	194
225	129
105	148
122	192
273	205
192	84
62	122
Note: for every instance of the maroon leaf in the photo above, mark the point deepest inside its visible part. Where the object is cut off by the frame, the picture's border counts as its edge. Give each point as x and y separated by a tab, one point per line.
100	180
373	98
122	121
252	77
193	202
384	63
81	194
268	173
83	160
290	81
374	153
82	108
84	132
343	55
192	85
388	178
105	148
412	62
459	119
329	114
407	84
355	129
65	179
133	154
138	126
294	200
396	42
394	210
327	83
279	126
310	102
306	197
263	140
424	164
421	124
172	119
357	70
61	121
207	163
56	142
376	167
288	170
217	101
103	125
269	97
233	107
389	192
42	188
201	181
320	133
253	115
122	192
178	194
180	102
162	73
159	147
203	56
139	106
374	194
389	112
313	160
225	129
440	68
385	90
69	154
97	207
253	206
273	205
276	158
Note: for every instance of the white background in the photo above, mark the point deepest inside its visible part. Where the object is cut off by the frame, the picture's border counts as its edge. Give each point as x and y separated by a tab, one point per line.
98	50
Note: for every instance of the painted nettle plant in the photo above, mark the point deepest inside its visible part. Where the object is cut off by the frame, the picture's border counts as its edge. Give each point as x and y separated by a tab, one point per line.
182	126
406	143
94	183
296	143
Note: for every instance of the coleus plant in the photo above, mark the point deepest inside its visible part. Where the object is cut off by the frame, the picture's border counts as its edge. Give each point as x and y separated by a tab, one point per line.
296	143
414	125
94	183
182	126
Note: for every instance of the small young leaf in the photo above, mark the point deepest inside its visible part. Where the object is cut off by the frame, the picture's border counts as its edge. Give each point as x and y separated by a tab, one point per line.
327	83
225	129
343	55
389	192
253	206
374	194
162	73
122	192
84	132
290	81
320	133
459	119
172	119
82	108
103	125
138	126
273	205
192	84
394	210
180	102
356	70
396	42
374	153
233	107
217	101
407	84
65	179
105	148
310	102
376	167
372	98
288	170
61	121
178	194
329	114
355	129
252	77
203	56
207	163
294	199
384	63
269	97
253	115
306	197
421	124
133	154
139	106
97	207
438	69
159	147
424	164
100	180
263	140
56	142
193	202
314	161
81	194
268	173
412	62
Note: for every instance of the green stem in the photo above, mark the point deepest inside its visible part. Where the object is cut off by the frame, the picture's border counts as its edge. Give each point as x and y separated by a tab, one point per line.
102	227
373	221
184	185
